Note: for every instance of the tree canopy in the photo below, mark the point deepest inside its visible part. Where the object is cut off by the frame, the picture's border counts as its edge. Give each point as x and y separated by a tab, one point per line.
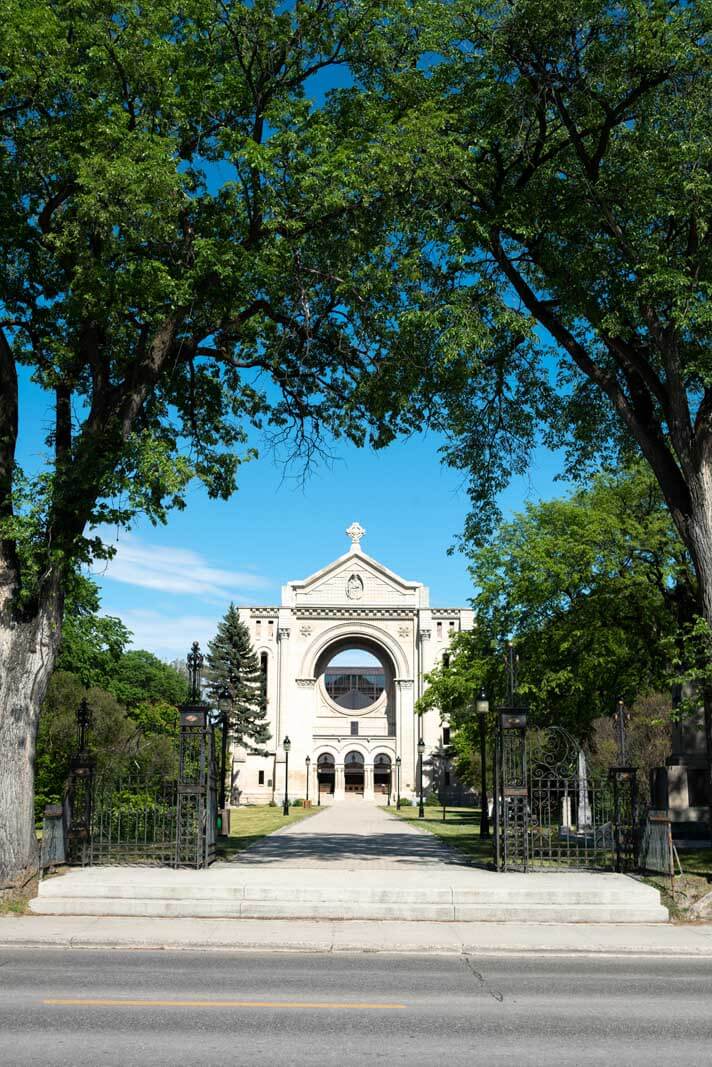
595	590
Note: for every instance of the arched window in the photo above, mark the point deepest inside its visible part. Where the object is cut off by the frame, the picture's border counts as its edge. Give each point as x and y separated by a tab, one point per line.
354	679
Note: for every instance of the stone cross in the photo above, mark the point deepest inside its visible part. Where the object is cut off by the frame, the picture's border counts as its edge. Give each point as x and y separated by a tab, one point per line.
355	532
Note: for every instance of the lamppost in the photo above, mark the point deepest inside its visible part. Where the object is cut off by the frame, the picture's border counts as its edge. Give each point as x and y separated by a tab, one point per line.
286	745
308	763
224	720
398	767
421	750
482	708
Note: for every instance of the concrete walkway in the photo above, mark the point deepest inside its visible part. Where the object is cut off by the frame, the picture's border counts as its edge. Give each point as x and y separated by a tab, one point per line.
352	861
352	835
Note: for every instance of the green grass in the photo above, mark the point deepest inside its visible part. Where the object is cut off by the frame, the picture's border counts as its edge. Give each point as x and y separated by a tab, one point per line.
249	825
697	861
461	830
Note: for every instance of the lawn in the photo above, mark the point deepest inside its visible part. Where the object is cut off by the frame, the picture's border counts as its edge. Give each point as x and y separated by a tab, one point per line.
461	830
250	824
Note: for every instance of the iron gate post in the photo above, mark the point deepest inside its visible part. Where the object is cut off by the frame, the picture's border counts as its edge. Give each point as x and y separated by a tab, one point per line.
514	820
625	817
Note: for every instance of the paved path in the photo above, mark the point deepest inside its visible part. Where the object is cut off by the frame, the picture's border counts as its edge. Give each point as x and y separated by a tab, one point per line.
351	835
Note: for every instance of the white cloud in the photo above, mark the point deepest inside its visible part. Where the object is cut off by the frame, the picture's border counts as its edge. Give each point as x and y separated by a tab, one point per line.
176	570
169	636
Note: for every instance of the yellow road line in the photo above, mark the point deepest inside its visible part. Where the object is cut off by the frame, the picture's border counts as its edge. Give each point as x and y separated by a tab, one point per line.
106	1002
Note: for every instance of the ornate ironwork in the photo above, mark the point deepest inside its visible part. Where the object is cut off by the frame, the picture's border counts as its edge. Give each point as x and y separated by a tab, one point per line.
167	822
194	661
552	812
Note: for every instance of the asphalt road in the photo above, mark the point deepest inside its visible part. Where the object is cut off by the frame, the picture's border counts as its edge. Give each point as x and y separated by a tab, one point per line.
154	1008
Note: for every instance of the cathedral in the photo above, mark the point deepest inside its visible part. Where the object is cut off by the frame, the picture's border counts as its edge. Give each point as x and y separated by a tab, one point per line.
344	659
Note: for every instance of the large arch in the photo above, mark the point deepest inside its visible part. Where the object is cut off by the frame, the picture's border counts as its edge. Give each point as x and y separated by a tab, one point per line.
353	632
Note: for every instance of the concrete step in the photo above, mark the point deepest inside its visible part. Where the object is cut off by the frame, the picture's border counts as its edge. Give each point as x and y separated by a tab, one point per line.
313	894
460	895
493	911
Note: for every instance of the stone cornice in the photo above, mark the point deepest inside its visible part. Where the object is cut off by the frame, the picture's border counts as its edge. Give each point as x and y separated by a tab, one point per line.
404	683
352	612
305	683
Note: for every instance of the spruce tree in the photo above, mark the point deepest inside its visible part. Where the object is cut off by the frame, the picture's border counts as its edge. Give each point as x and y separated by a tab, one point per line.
236	683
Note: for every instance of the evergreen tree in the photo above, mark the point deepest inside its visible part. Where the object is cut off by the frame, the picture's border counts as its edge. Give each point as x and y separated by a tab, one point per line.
236	683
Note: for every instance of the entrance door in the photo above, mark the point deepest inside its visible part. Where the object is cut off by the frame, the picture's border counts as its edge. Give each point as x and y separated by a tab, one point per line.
353	773
382	775
326	774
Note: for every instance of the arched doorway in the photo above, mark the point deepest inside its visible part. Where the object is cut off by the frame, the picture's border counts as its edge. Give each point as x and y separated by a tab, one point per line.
354	773
382	774
326	774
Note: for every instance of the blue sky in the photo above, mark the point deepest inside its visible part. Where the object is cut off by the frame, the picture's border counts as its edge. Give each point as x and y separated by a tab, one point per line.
171	584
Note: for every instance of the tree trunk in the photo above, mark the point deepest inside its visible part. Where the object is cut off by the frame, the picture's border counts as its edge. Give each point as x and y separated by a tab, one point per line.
27	653
700	541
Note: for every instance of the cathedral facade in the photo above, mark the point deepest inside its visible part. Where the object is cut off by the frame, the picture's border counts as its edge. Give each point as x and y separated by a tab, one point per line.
344	658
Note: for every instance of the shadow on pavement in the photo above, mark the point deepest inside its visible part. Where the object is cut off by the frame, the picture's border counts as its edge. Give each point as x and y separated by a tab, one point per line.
391	848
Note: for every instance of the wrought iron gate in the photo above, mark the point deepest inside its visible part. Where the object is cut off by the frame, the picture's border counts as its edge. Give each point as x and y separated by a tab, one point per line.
551	811
151	821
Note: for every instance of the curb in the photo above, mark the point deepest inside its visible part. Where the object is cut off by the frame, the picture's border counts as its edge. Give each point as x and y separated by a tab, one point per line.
334	948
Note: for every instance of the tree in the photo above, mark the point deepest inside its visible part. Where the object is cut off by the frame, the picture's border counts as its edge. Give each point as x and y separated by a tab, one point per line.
113	736
563	207
190	248
647	738
597	593
92	644
237	683
141	678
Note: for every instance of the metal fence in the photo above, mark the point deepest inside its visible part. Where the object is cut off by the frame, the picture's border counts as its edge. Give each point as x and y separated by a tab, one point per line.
551	811
148	821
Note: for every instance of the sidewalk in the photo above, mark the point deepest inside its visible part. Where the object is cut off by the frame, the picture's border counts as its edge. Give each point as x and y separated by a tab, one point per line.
274	935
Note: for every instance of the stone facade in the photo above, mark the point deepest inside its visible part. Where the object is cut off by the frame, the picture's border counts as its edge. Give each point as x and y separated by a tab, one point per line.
352	603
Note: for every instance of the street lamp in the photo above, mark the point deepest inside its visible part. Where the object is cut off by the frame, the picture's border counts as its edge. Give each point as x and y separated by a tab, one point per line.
421	750
223	697
398	767
286	745
308	763
482	708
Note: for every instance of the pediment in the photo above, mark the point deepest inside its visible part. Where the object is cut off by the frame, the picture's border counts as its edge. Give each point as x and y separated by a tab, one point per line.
355	580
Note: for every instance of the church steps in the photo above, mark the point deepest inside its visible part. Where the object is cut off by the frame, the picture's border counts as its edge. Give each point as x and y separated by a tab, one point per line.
462	895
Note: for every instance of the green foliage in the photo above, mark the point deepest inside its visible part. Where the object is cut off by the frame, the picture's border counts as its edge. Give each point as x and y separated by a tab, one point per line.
112	735
237	683
140	680
594	589
648	738
560	197
193	251
92	644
